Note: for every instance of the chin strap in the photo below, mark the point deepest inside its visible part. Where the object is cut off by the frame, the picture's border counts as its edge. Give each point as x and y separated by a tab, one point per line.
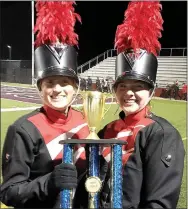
68	105
79	81
144	105
148	100
113	92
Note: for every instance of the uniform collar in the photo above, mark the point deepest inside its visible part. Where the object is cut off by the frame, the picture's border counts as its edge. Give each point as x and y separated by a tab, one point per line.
56	116
135	117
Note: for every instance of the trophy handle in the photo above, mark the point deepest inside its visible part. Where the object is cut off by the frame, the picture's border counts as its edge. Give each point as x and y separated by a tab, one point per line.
110	105
104	97
79	97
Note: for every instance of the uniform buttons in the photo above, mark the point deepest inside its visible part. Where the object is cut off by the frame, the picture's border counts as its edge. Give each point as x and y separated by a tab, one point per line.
168	158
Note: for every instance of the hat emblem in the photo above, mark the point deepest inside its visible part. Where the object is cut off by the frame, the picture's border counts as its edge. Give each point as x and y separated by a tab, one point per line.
58	51
131	57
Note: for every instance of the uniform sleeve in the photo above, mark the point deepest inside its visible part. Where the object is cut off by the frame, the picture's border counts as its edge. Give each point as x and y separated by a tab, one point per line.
163	165
17	188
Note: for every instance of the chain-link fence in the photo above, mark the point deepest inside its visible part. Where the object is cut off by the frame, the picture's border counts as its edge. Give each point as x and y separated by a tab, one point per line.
16	71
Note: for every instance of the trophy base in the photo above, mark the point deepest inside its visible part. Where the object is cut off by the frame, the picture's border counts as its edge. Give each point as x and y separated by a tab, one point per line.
105	142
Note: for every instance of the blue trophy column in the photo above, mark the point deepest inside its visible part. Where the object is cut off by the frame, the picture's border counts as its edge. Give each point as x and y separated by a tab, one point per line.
94	171
116	176
67	195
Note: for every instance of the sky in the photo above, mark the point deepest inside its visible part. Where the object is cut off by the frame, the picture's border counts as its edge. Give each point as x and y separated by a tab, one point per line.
97	31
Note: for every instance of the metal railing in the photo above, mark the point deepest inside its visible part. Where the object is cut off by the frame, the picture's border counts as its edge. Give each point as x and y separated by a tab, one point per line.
99	58
112	52
173	52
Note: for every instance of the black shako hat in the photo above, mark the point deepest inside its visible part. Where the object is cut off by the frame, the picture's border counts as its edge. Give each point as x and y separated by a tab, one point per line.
55	52
137	44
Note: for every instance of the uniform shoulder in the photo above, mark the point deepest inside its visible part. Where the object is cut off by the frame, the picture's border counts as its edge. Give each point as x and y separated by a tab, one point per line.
23	119
163	124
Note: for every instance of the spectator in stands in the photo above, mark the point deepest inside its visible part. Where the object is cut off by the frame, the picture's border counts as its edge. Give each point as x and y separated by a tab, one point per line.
32	168
184	91
167	86
175	89
89	84
98	84
102	84
82	84
153	158
110	82
106	85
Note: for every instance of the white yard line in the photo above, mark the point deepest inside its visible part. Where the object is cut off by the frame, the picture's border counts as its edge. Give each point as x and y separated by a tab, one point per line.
25	108
18	109
19	86
34	107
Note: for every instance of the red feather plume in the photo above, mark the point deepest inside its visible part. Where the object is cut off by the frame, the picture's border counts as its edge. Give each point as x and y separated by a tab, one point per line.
55	23
141	27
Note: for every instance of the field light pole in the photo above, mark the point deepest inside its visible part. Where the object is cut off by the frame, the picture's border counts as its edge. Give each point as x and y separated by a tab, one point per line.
32	32
10	51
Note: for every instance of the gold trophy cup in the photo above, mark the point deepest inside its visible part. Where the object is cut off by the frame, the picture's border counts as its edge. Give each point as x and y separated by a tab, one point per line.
94	110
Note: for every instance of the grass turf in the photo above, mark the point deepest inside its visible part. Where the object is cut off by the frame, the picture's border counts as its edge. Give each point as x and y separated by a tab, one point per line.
8	103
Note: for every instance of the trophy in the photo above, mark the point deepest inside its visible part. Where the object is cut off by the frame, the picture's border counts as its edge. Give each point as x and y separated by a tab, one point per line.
94	111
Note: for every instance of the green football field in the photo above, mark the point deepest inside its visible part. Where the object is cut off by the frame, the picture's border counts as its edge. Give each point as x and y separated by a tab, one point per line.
174	111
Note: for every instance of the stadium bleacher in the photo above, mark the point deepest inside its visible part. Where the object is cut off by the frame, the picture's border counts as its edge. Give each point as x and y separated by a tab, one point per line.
170	69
